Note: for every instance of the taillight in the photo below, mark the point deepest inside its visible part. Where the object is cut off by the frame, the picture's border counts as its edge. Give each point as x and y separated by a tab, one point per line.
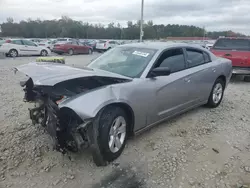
105	44
8	41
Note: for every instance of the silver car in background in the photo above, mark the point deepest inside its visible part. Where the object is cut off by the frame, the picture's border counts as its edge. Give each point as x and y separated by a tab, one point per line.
122	93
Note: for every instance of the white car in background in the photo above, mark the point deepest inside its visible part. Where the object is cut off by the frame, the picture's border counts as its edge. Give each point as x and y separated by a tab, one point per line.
209	45
64	39
19	47
46	43
104	45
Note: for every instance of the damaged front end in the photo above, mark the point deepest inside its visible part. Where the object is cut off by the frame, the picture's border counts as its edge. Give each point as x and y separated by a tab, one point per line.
67	130
51	87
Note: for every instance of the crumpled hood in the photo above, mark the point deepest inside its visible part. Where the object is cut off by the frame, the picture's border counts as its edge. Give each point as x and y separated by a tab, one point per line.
52	73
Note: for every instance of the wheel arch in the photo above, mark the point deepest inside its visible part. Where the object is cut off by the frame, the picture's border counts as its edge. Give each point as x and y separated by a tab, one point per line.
223	78
18	52
45	50
129	112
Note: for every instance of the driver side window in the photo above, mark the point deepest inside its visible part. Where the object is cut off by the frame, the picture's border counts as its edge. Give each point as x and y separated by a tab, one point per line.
173	59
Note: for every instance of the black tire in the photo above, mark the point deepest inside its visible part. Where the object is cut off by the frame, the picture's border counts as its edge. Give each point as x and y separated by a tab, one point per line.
90	51
247	78
212	103
71	52
102	125
44	53
13	53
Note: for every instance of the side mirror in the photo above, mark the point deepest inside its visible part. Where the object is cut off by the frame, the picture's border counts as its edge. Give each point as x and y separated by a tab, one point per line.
160	71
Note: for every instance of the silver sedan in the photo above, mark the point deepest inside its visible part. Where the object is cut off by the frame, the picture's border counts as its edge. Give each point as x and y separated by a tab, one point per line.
122	93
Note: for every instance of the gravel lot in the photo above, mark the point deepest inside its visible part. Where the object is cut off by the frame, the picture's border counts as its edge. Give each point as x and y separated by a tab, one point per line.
202	148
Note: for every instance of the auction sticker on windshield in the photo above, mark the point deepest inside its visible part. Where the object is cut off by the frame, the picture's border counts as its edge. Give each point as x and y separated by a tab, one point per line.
143	54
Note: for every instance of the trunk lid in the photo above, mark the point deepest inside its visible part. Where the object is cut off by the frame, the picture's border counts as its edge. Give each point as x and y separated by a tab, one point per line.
101	44
237	50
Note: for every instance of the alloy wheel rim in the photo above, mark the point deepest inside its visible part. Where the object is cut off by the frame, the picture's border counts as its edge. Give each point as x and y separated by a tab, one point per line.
217	93
44	53
13	53
117	134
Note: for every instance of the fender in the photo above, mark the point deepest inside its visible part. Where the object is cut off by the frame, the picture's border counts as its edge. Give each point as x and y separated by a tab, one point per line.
88	104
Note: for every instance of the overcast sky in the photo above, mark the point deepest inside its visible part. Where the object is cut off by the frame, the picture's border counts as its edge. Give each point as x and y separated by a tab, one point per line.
215	15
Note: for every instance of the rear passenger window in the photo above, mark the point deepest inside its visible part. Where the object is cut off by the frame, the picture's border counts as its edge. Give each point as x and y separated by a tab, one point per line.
195	58
18	42
173	59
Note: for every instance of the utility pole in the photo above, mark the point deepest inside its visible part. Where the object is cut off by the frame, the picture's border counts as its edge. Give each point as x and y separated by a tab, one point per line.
141	27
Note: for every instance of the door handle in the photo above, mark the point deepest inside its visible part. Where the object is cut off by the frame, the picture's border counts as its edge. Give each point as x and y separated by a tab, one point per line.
214	69
227	55
187	80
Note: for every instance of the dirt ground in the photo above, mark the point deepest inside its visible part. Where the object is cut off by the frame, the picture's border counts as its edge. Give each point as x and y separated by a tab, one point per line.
201	148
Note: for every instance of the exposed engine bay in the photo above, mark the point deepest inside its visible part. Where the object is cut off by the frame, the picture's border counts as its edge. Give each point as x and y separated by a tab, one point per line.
67	130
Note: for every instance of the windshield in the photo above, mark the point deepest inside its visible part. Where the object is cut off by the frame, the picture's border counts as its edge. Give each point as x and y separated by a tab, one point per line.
127	61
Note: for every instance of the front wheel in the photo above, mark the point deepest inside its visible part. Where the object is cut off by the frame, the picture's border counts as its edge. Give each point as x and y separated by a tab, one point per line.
112	125
216	94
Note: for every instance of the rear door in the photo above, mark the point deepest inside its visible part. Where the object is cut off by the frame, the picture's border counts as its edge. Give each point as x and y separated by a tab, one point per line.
18	45
201	74
237	50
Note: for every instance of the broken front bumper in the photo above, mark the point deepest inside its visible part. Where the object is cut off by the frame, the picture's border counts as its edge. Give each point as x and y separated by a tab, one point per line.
67	130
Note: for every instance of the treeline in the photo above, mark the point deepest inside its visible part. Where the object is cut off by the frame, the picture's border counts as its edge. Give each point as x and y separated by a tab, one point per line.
67	27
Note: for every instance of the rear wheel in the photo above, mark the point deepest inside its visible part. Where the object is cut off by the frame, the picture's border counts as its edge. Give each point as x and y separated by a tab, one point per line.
13	53
44	53
216	94
90	51
71	52
112	125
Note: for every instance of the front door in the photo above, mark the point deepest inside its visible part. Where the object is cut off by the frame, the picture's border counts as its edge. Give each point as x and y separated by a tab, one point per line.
30	48
172	93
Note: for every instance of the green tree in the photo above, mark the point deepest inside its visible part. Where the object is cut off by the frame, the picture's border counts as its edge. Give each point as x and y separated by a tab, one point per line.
67	27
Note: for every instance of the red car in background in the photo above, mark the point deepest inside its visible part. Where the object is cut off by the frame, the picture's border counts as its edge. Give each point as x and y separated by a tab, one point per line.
238	51
72	47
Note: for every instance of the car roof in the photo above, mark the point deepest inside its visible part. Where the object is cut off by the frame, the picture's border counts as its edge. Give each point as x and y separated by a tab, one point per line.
161	45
